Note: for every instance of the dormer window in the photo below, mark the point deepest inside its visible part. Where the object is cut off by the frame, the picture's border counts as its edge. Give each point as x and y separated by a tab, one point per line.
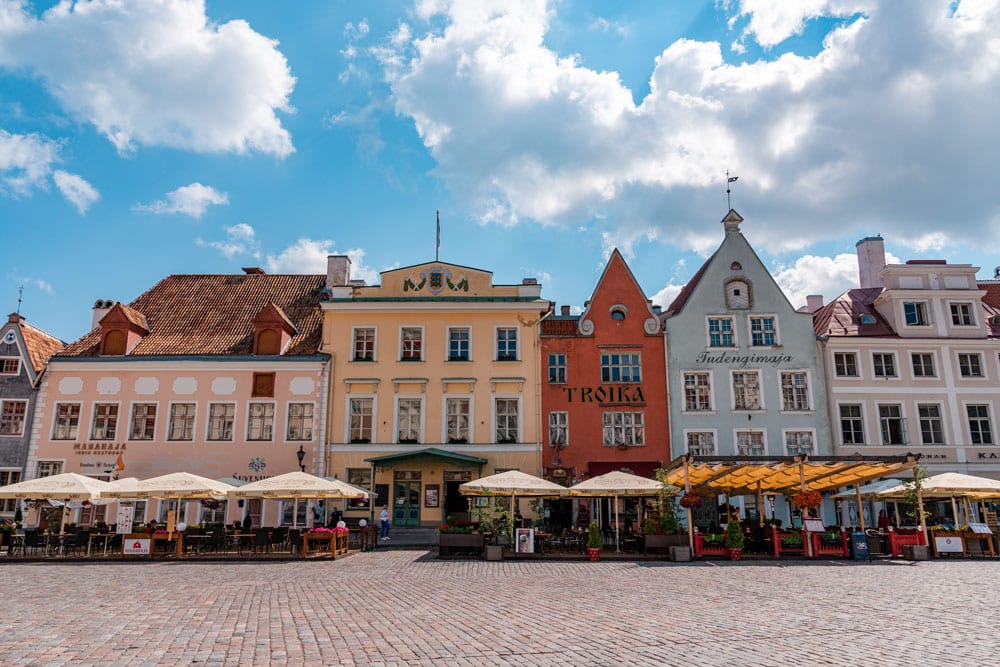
268	342
737	295
122	328
915	314
272	331
114	343
867	319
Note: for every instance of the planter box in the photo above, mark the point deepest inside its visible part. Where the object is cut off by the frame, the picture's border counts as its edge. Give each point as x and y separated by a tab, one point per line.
915	552
663	542
494	552
450	544
680	554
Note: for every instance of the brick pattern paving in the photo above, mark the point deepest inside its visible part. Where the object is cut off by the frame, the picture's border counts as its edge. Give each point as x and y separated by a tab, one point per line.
407	608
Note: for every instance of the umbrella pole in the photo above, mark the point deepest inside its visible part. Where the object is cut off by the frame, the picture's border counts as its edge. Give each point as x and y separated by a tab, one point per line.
617	547
687	490
760	504
895	510
861	510
954	511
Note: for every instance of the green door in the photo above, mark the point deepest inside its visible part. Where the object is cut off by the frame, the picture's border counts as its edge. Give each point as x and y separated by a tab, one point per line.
406	504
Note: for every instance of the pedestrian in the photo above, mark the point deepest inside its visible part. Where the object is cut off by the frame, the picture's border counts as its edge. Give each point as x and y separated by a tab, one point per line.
883	521
383	518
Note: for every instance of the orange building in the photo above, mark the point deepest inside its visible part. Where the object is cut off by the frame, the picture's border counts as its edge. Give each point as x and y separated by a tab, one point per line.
604	395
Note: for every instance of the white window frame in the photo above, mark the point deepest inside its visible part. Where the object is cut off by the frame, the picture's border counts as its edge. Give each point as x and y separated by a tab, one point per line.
982	365
208	421
809	394
903	423
628	429
971	314
760	389
713	433
164	505
913	366
496	342
732	328
895	365
250	417
563	427
989	416
711	392
354	334
24	416
495	417
866	441
170	421
470	416
737	432
288	421
763	316
423	343
857	364
55	421
93	420
17	369
788	431
420	419
349	415
8	476
131	420
941	422
921	308
447	342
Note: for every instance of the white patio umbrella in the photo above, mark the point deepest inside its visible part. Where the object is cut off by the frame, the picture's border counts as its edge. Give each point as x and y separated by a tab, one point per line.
178	485
619	483
64	487
297	485
513	483
951	485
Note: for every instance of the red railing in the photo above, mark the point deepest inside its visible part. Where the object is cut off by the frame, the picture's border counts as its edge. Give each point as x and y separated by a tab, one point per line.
822	548
902	537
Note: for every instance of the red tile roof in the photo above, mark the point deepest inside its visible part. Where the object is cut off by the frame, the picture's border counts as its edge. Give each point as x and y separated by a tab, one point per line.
842	316
678	303
214	314
41	346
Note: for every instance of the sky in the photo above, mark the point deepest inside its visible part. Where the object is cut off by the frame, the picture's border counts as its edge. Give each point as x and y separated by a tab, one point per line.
142	138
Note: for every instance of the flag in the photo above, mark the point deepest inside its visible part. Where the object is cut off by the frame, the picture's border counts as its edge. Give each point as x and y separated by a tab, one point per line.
119	464
732	179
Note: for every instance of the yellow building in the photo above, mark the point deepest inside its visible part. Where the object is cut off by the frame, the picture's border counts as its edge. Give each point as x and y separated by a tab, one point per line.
434	382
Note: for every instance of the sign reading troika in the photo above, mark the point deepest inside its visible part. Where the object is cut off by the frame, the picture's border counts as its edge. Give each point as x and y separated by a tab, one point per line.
615	394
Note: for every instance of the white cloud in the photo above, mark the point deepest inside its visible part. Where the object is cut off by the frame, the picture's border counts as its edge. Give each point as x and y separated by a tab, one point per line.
192	200
666	296
25	162
882	128
155	72
79	192
309	256
241	239
827	276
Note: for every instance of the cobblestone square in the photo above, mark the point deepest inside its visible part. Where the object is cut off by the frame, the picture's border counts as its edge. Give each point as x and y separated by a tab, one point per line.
408	608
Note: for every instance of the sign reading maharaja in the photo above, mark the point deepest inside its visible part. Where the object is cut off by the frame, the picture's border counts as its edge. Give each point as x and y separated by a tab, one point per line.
616	394
98	448
743	359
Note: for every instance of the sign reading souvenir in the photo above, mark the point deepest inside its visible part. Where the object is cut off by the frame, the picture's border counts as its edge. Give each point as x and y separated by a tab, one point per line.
123	520
135	547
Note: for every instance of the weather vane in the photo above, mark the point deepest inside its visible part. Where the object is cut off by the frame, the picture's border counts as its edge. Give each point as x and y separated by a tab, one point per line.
20	291
729	179
437	242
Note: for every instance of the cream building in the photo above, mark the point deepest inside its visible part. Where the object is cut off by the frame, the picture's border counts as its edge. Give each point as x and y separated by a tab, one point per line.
435	381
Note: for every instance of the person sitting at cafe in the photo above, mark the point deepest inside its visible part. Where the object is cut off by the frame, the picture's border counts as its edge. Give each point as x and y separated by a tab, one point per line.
247	522
335	516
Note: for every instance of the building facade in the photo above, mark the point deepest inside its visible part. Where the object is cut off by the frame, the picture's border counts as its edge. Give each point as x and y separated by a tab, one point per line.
216	375
743	366
24	353
913	363
435	382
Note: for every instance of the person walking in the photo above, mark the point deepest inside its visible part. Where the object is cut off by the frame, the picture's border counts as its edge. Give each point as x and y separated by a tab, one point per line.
383	518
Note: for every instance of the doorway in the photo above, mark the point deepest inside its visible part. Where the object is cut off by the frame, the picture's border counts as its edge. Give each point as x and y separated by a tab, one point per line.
406	498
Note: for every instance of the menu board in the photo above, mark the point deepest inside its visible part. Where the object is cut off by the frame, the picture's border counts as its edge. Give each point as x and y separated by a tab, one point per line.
814	525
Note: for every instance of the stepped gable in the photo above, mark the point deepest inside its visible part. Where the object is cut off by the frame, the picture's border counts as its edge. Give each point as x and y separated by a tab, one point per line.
842	316
214	314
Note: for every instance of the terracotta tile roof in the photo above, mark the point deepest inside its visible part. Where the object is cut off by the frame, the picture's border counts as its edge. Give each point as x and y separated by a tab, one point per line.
135	317
41	346
214	314
560	326
678	303
842	316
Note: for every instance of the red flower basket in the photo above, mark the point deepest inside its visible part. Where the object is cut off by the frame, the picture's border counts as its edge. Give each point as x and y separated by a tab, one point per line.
692	500
807	499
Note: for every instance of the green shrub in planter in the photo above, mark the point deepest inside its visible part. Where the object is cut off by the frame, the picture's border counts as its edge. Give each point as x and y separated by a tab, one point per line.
594	539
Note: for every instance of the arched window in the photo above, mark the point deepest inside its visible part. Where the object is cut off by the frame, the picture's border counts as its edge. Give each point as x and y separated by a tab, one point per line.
268	342
735	266
114	342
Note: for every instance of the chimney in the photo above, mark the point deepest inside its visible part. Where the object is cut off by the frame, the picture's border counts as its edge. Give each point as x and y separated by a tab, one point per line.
101	308
564	311
253	270
871	261
814	302
338	271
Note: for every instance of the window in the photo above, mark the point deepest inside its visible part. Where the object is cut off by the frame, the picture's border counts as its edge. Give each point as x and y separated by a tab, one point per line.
617	367
49	468
296	508
8	477
458	419
795	391
623	429
720	332
931	430
618	313
364	344
507	344
458	344
260	424
170	505
915	314
961	315
507	420
558	429
220	421
737	295
979	424
697	391
557	369
762	332
893	425
67	421
701	443
12	417
10	366
268	342
852	427
750	443
408	414
263	385
746	390
300	421
923	364
114	343
181	422
884	364
143	421
970	365
845	364
360	477
412	344
799	442
215	514
138	510
105	421
361	420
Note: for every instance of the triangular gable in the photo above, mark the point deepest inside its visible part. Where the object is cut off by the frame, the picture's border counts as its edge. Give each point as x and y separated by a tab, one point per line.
34	346
271	314
616	272
121	314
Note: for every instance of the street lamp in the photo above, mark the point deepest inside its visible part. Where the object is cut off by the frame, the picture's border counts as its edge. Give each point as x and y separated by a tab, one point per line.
301	454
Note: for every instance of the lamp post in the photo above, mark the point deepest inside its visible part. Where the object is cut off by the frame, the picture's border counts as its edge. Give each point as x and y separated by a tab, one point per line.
301	454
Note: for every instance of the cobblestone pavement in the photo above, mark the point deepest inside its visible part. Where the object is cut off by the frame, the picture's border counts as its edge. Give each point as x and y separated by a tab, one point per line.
407	608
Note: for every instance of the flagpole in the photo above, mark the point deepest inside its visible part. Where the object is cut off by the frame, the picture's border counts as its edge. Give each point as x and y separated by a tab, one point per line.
437	242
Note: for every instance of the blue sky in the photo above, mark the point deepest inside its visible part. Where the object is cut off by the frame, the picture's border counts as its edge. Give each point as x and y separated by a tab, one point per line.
144	138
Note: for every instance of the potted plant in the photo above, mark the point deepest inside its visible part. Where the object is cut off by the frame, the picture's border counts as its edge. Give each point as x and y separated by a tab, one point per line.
734	539
594	542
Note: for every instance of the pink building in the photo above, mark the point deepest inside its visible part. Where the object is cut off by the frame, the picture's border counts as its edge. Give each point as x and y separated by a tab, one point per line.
217	375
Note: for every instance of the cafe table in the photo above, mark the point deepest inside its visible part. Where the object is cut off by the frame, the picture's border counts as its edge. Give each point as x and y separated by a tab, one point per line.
103	538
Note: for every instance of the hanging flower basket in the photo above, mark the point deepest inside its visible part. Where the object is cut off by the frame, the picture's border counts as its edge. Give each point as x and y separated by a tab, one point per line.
807	499
692	500
211	503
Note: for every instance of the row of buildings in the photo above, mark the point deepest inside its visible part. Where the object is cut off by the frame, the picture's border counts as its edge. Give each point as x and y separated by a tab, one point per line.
437	376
